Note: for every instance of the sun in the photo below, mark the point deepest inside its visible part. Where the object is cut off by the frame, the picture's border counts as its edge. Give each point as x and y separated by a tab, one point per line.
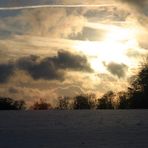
113	48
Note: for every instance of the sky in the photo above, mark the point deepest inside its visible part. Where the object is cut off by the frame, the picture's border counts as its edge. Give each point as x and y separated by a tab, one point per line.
52	48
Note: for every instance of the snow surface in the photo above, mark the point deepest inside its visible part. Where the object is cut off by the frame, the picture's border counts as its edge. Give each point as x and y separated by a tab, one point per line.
74	129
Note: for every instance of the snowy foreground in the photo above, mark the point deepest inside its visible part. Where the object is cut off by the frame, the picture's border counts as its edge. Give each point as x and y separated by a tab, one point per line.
74	129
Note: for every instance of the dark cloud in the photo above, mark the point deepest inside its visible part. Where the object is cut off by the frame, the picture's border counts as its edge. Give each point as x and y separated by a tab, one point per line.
52	68
140	5
117	69
44	69
135	2
49	68
89	34
67	60
6	70
114	14
6	3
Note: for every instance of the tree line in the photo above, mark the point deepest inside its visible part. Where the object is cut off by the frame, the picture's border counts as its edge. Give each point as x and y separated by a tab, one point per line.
136	97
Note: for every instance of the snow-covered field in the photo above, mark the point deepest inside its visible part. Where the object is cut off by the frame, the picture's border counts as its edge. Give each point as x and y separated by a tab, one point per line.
74	129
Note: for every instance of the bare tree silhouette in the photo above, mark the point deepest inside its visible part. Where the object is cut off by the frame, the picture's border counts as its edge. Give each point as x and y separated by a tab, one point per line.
10	104
106	101
83	102
63	103
137	94
41	105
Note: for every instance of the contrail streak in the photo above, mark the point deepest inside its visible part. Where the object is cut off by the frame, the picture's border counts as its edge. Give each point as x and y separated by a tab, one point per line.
53	6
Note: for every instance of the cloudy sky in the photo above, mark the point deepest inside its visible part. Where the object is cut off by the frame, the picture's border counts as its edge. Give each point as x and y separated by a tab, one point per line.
51	48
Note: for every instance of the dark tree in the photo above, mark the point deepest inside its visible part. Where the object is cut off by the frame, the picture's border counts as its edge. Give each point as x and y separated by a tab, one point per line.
106	101
82	102
138	92
123	102
41	105
63	103
10	104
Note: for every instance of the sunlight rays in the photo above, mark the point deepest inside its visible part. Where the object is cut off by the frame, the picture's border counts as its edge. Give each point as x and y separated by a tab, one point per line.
112	48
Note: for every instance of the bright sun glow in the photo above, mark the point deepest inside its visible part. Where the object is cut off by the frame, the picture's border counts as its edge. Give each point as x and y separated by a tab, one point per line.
112	48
